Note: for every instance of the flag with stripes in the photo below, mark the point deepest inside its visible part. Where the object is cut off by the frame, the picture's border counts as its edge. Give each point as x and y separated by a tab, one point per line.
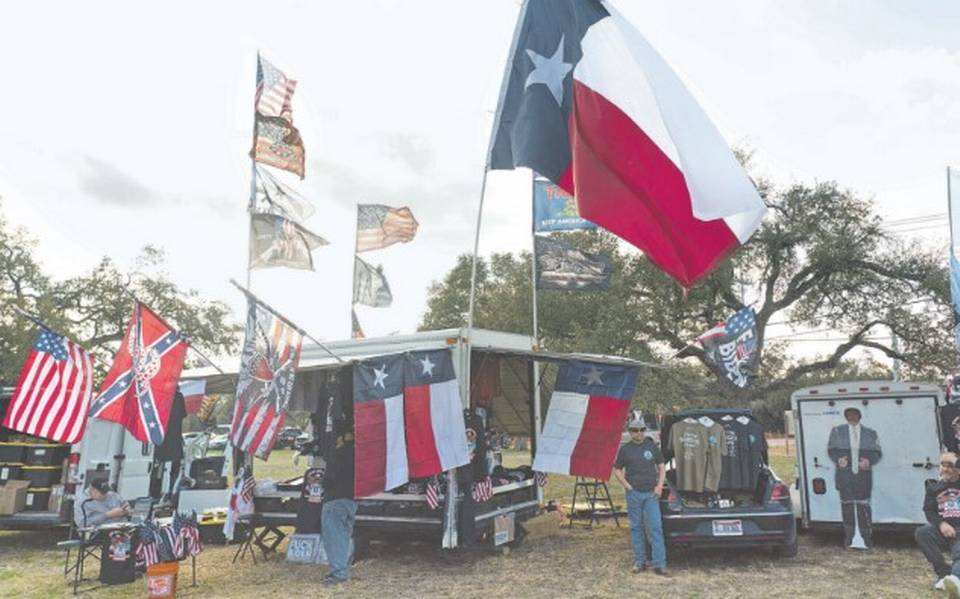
138	391
370	286
268	364
483	490
356	331
379	226
53	392
241	500
432	492
274	95
278	241
541	478
732	347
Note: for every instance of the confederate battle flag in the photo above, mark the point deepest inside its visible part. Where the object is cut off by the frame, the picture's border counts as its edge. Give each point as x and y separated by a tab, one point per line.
138	391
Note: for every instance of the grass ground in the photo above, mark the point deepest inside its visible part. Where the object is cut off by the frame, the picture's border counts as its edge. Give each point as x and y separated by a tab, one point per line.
552	562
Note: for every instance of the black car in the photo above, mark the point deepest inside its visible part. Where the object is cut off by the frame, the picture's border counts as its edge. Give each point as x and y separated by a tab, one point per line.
287	437
763	517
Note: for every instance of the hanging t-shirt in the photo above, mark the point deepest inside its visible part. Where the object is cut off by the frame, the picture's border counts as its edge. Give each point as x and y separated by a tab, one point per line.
171	450
735	474
116	560
950	426
716	449
688	442
311	500
757	444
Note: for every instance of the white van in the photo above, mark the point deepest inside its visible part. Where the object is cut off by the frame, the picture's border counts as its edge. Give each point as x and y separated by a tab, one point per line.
905	417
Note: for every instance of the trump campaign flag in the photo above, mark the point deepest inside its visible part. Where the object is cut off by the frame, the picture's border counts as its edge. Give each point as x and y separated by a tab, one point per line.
380	442
53	392
732	346
589	104
433	414
138	391
268	365
585	419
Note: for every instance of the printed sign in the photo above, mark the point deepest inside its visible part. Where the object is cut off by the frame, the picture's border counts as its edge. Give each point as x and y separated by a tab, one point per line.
555	210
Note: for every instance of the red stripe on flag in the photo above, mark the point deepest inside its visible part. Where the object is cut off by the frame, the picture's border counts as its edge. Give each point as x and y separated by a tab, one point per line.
599	438
422	456
625	183
370	447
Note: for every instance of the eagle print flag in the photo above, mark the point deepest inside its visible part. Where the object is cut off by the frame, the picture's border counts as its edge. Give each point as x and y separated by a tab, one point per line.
268	365
138	391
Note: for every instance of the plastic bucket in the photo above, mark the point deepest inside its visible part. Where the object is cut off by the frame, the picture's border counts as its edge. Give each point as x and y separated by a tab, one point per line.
162	580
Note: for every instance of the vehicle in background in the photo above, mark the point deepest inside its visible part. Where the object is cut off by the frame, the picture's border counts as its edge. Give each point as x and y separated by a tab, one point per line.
287	437
219	437
762	516
301	440
906	419
189	437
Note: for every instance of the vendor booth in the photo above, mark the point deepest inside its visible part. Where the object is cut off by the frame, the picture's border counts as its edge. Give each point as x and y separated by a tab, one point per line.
483	500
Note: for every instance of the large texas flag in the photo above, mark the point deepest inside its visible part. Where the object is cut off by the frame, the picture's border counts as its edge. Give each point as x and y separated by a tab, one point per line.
380	447
138	391
585	419
433	414
588	103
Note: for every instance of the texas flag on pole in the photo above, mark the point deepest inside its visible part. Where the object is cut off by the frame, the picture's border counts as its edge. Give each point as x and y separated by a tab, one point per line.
380	444
588	103
585	419
138	391
433	414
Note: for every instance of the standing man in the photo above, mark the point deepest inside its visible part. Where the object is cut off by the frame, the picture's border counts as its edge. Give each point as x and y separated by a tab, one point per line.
339	510
855	450
640	469
941	506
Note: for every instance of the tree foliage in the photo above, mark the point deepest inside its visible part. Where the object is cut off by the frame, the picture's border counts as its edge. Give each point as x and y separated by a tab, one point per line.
820	261
94	307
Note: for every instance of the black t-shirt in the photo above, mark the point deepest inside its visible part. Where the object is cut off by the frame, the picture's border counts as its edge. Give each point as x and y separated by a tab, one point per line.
757	451
311	498
171	449
641	462
116	560
735	470
942	503
950	433
339	477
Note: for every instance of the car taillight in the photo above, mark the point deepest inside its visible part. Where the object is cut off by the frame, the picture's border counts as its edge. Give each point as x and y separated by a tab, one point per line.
780	491
73	468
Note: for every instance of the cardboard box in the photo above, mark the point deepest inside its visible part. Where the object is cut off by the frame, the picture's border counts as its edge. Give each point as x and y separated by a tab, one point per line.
13	497
56	498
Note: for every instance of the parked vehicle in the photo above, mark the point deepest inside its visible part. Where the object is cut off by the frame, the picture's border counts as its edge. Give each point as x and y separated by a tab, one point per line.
219	437
301	440
761	517
905	418
287	437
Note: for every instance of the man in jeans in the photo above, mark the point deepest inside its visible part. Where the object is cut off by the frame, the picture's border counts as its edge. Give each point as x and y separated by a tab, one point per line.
640	469
339	510
941	506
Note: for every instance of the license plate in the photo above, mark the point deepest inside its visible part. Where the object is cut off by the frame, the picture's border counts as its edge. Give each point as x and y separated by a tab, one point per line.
727	528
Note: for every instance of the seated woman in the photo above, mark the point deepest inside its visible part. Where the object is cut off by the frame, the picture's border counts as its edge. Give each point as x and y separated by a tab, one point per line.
99	505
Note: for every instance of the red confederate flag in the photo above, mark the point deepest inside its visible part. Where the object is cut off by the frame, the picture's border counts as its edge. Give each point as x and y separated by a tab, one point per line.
582	431
380	446
433	414
138	391
589	104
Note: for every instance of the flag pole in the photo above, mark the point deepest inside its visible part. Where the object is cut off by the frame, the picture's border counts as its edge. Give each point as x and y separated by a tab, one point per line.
35	320
950	211
253	178
353	280
273	311
533	254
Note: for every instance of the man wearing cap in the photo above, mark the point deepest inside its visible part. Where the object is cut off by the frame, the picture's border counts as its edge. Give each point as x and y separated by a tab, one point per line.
854	450
99	505
941	506
640	469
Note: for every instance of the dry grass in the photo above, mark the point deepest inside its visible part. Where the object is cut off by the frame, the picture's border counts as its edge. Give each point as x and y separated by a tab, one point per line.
551	563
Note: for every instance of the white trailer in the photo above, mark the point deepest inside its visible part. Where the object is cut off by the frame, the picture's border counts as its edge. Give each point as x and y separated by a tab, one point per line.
906	419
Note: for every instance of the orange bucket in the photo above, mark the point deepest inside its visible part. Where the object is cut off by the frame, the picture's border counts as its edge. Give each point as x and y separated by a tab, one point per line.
162	580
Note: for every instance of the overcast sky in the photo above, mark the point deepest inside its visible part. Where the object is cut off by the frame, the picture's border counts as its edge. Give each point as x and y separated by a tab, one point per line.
126	124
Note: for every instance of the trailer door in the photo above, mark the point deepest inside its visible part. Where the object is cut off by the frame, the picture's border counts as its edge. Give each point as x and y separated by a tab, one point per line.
907	434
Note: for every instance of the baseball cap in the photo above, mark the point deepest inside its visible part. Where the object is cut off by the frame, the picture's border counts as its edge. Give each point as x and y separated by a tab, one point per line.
101	484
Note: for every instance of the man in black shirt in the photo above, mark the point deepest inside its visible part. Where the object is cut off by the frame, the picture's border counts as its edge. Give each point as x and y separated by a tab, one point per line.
640	469
339	510
941	506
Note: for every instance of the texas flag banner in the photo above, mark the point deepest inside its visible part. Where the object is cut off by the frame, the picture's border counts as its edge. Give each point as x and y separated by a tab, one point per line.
585	419
433	414
588	103
194	392
138	391
268	366
380	443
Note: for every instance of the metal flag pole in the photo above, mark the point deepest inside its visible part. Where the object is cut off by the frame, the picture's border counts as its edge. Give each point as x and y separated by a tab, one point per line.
35	320
253	180
950	211
273	311
353	280
533	255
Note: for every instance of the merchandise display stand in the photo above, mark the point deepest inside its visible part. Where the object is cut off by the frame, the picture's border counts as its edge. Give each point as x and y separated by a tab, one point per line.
595	502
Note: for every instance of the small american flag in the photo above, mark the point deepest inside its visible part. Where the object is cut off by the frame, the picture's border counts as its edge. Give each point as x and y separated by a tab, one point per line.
54	390
249	484
433	493
483	490
274	91
541	478
379	226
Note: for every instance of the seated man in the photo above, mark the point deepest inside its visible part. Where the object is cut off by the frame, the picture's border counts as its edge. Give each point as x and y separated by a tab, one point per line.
941	506
99	505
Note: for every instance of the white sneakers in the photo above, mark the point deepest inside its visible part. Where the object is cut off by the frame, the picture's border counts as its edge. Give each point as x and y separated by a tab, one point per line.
951	584
939	585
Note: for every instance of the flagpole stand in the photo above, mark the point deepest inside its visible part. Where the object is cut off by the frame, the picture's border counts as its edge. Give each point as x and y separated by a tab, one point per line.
595	496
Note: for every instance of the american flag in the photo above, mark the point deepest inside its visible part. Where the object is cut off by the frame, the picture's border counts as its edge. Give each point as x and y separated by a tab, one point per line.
379	226
54	390
739	322
433	493
483	490
541	478
147	552
274	91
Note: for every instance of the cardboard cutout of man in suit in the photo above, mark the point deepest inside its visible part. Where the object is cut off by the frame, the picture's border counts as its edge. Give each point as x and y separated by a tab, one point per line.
854	449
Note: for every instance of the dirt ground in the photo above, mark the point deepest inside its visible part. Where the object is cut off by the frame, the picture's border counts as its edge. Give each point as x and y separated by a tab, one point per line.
552	562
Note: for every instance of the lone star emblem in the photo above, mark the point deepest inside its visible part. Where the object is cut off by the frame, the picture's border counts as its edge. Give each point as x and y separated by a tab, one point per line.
427	366
381	376
549	71
593	376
